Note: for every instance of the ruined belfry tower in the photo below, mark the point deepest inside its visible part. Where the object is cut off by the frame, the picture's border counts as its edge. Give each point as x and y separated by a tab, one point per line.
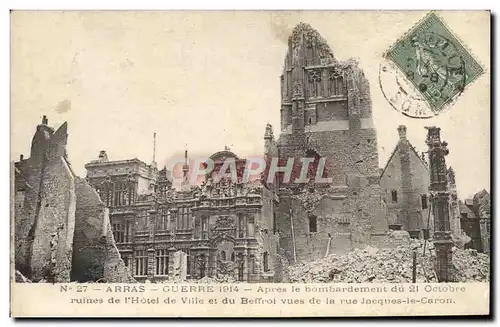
326	113
326	108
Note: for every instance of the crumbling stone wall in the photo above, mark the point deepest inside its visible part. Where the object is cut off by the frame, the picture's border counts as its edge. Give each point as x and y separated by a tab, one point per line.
53	235
29	179
48	200
95	255
44	225
346	217
342	131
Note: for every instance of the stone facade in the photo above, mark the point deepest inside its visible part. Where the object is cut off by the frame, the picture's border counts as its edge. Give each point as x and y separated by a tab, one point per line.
405	187
48	214
222	227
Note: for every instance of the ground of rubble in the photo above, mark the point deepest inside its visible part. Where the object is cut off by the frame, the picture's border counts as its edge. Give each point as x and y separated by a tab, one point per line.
390	265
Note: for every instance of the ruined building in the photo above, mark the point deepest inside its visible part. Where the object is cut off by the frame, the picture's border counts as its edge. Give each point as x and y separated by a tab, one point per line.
475	217
326	113
62	229
222	227
250	230
405	186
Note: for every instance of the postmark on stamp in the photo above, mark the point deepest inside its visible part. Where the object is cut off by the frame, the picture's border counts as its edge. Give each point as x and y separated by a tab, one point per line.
437	64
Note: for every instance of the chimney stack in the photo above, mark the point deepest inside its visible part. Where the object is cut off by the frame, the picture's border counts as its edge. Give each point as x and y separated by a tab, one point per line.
45	121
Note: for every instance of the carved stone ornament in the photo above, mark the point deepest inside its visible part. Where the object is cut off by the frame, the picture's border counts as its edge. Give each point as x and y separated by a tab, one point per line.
224	222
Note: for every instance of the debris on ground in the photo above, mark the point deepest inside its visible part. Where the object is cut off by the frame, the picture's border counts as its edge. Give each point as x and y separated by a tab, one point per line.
390	265
20	278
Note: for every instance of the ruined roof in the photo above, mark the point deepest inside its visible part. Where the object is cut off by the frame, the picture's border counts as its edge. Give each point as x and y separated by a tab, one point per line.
396	150
305	33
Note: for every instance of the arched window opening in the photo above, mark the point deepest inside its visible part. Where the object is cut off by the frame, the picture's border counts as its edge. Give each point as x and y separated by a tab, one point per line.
314	166
335	83
314	83
223	255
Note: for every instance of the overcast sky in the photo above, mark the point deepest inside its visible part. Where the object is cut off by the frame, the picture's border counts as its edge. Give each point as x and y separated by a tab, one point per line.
211	79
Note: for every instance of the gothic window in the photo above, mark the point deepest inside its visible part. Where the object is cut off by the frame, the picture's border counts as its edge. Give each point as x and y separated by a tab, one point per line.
335	83
223	255
394	195
424	201
265	259
187	218
241	225
141	263
184	218
118	232
162	262
313	227
314	77
128	231
180	218
204	227
232	257
120	195
251	226
131	195
188	261
174	219
163	190
162	223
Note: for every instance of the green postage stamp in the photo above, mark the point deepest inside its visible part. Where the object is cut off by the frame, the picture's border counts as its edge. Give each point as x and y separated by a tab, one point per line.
435	62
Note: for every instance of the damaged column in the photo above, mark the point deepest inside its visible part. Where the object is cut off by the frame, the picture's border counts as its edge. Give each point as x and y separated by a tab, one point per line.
440	197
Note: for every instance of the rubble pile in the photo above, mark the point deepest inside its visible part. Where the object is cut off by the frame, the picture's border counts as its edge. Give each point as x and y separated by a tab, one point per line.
469	265
390	265
213	280
310	198
460	240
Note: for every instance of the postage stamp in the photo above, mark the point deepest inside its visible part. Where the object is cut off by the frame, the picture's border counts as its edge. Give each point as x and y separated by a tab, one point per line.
435	61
